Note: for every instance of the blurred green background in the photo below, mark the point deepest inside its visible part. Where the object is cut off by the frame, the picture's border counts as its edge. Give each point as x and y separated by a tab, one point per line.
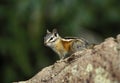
23	25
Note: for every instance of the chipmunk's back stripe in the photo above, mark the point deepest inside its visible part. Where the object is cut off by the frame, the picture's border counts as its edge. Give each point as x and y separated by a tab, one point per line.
66	40
71	38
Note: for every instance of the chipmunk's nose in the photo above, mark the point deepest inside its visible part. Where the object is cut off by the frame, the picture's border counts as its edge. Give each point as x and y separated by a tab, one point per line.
45	43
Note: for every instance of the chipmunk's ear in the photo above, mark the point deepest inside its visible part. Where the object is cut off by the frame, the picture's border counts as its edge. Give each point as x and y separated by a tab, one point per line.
54	30
48	31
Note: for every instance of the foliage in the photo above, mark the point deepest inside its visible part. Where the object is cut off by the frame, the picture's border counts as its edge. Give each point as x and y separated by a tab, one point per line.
24	23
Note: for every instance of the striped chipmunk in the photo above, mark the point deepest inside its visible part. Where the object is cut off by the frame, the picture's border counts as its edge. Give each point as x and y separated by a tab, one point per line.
64	46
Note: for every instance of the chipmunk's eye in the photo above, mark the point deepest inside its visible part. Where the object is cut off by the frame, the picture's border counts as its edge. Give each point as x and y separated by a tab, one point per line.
51	38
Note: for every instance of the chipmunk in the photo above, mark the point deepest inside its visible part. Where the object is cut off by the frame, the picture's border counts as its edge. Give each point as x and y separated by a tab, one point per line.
64	46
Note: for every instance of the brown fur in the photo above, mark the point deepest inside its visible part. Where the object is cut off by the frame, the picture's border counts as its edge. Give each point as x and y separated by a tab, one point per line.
67	45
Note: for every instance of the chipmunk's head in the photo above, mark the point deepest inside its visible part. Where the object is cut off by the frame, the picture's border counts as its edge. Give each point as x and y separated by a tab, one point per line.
51	38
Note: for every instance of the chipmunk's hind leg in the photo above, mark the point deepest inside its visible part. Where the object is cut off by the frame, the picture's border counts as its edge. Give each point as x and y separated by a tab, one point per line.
78	45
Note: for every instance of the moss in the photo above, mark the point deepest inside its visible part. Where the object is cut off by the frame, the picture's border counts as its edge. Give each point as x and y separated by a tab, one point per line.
101	76
74	70
89	68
